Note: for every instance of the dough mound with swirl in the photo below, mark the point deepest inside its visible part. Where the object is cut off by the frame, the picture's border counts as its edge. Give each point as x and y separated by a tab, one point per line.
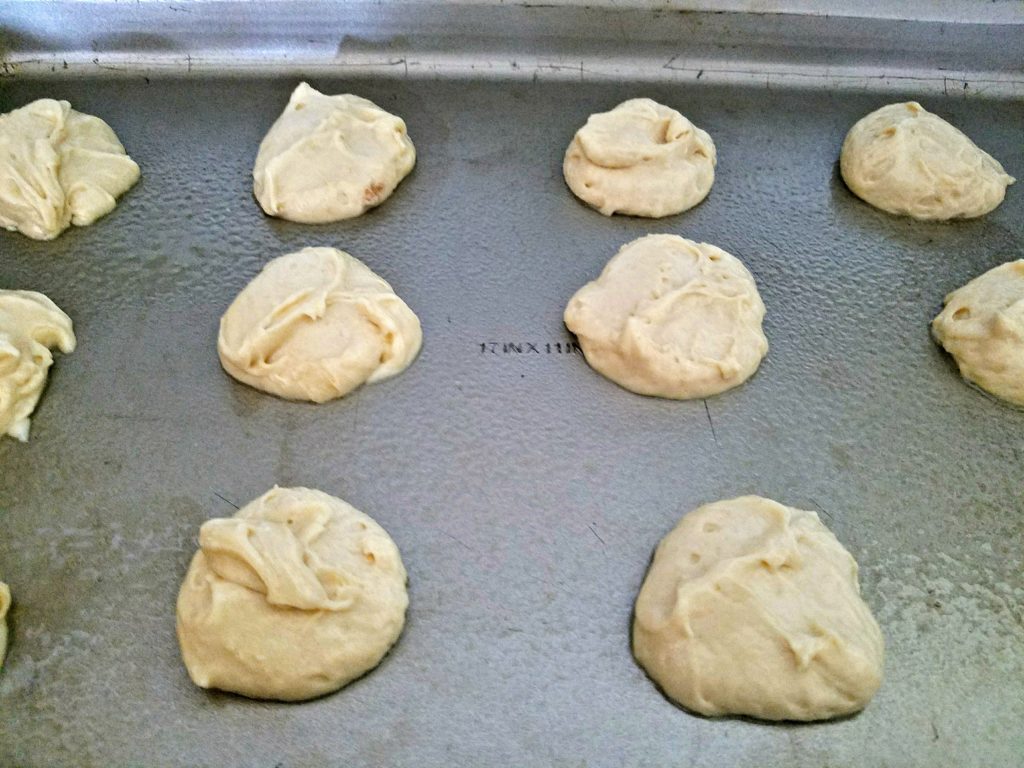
753	608
905	160
641	159
30	326
314	325
672	318
982	327
58	167
293	597
328	158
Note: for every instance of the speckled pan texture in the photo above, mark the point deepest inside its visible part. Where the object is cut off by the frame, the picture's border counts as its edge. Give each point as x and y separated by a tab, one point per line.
525	491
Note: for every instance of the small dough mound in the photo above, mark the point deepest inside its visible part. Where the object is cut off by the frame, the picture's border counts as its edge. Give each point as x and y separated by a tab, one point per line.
316	324
753	608
672	318
905	160
982	327
295	596
640	159
5	605
58	167
30	326
328	158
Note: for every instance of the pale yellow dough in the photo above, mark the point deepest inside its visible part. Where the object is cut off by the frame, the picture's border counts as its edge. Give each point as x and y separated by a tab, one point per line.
295	596
642	159
982	327
58	167
753	608
328	158
905	160
30	326
672	318
5	605
316	324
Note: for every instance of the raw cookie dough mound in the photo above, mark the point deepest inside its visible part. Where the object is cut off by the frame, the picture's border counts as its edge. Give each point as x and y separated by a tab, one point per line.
5	605
982	327
328	158
905	160
30	326
316	324
641	159
672	318
295	596
58	167
753	608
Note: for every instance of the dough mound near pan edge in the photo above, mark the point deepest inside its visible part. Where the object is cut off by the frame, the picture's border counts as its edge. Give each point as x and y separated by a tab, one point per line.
30	326
328	158
640	159
907	161
982	327
59	167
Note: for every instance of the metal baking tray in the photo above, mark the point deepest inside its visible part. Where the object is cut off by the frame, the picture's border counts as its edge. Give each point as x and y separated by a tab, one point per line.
525	491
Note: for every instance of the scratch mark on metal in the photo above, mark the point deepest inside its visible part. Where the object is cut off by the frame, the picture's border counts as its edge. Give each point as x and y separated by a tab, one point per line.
821	509
458	541
711	423
226	501
109	67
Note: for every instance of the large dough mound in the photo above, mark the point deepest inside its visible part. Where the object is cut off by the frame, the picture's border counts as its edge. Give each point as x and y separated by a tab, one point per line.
905	160
672	318
328	158
58	167
294	597
30	326
642	159
982	327
316	324
753	608
5	605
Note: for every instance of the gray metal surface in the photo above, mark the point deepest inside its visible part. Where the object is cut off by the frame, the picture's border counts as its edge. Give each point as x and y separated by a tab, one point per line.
930	46
526	492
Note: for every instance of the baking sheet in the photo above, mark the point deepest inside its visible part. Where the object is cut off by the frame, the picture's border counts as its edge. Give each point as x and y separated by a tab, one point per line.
525	491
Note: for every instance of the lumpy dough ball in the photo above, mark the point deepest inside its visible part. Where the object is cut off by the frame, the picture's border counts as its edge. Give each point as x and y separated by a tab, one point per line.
5	604
982	327
672	318
294	597
59	167
316	324
753	608
30	326
905	160
642	159
328	158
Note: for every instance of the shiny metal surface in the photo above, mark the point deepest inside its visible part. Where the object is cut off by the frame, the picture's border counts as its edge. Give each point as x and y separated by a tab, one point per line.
525	491
964	47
